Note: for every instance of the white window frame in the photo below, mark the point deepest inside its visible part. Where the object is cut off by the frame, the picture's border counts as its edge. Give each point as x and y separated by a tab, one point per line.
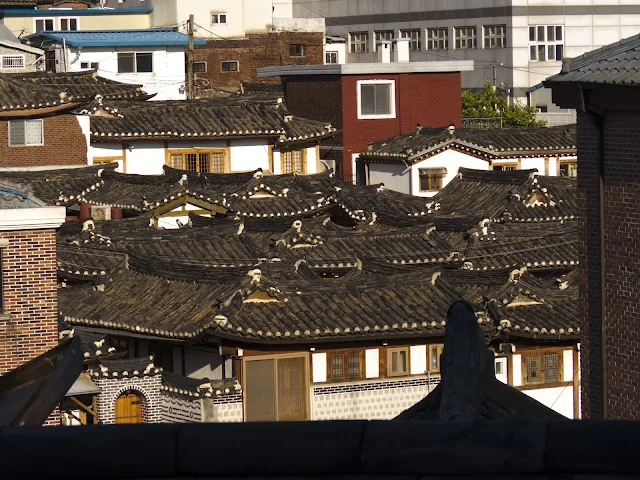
39	120
383	36
536	42
237	62
498	38
433	42
21	67
135	63
458	30
90	65
392	93
218	15
77	19
328	53
44	19
414	35
360	41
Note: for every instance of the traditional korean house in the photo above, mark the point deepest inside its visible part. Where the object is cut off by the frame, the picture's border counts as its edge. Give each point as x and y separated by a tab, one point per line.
425	160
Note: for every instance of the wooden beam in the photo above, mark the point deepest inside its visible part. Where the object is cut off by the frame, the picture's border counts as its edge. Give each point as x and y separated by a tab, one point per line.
576	383
94	407
83	406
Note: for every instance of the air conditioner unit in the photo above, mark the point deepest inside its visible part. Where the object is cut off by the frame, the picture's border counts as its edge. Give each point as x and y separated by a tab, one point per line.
101	213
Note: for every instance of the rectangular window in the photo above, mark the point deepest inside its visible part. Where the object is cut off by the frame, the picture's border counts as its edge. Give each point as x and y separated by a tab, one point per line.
296	50
431	179
69	24
345	366
294	161
376	99
546	43
398	361
135	62
208	161
45	24
218	19
13	62
199	67
230	66
276	389
437	38
337	366
465	37
434	357
540	368
331	57
505	167
568	169
91	65
386	36
415	44
26	133
359	42
495	36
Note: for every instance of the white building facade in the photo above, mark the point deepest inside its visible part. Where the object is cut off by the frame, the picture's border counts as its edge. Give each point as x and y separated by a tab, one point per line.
514	43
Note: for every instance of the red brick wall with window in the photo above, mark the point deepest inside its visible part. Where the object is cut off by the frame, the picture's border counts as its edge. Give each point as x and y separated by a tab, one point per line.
431	99
64	144
28	326
255	51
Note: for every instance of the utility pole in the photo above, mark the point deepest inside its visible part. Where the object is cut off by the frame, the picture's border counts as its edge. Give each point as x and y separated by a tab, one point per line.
495	77
190	82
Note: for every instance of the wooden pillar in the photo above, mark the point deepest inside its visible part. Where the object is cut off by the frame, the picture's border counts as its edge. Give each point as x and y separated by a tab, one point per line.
116	213
576	383
94	407
85	211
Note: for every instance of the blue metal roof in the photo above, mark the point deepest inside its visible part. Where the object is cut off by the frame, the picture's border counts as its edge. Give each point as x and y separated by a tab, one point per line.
119	38
80	12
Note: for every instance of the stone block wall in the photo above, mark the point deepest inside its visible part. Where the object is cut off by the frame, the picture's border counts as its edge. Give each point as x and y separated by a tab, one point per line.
146	386
225	409
375	400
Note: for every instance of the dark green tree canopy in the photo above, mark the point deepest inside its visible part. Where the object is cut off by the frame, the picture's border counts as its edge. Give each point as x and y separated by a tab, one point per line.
492	103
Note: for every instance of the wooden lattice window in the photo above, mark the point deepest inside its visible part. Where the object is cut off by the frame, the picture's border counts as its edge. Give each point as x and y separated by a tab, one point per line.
294	161
207	161
345	366
543	367
276	389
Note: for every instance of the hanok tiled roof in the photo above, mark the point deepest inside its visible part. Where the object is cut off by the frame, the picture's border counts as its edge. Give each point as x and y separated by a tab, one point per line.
16	95
544	199
513	245
179	385
85	85
58	186
205	119
616	64
76	262
414	146
16	196
126	368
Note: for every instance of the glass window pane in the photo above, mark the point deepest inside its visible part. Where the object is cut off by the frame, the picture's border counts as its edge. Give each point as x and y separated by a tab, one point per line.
551	52
551	367
559	52
541	34
403	360
16	132
126	63
354	365
394	362
382	101
203	163
176	160
217	162
367	99
551	36
559	32
337	365
532	34
533	52
33	132
144	62
541	56
191	162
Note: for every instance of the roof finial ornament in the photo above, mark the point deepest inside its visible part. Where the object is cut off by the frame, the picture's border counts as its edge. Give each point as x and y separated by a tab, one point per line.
184	179
418	129
451	128
297	225
98	99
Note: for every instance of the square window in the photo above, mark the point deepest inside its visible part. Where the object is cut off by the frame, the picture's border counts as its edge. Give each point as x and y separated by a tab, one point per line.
359	42
415	44
495	36
540	368
465	37
546	43
70	24
331	57
45	24
385	36
230	66
437	38
199	67
431	179
296	50
398	361
376	99
218	18
26	133
144	62
126	62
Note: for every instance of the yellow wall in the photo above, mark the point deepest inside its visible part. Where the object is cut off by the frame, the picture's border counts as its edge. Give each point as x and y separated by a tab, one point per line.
86	22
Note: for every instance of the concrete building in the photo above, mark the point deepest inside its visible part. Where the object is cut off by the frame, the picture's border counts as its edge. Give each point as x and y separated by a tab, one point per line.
517	43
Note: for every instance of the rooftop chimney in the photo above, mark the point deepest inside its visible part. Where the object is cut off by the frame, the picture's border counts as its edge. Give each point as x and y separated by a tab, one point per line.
384	51
401	53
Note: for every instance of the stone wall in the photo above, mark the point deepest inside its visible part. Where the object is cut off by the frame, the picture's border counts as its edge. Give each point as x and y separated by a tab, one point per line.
176	409
147	386
375	400
225	409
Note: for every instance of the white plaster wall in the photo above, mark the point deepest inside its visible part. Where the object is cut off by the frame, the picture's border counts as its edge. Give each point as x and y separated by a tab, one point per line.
418	359
452	160
340	48
559	399
537	163
516	365
372	363
168	68
202	364
396	177
277	165
201	10
249	154
145	158
180	410
106	150
319	367
368	400
312	160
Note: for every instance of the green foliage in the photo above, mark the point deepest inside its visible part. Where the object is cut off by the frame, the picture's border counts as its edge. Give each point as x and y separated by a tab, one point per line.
491	103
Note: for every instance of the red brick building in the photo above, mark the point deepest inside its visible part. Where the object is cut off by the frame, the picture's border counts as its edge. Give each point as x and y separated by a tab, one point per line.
372	101
604	86
29	302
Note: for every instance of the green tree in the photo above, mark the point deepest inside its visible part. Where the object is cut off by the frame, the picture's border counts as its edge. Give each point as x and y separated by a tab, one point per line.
491	103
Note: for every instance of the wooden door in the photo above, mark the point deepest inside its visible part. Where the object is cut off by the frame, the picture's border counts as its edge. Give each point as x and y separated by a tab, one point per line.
128	408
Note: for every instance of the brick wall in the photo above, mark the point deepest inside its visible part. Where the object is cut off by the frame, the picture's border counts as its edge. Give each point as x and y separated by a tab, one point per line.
256	51
30	296
29	60
147	386
64	144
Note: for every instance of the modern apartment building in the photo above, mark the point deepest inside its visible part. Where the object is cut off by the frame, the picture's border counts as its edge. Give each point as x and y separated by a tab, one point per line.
514	43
